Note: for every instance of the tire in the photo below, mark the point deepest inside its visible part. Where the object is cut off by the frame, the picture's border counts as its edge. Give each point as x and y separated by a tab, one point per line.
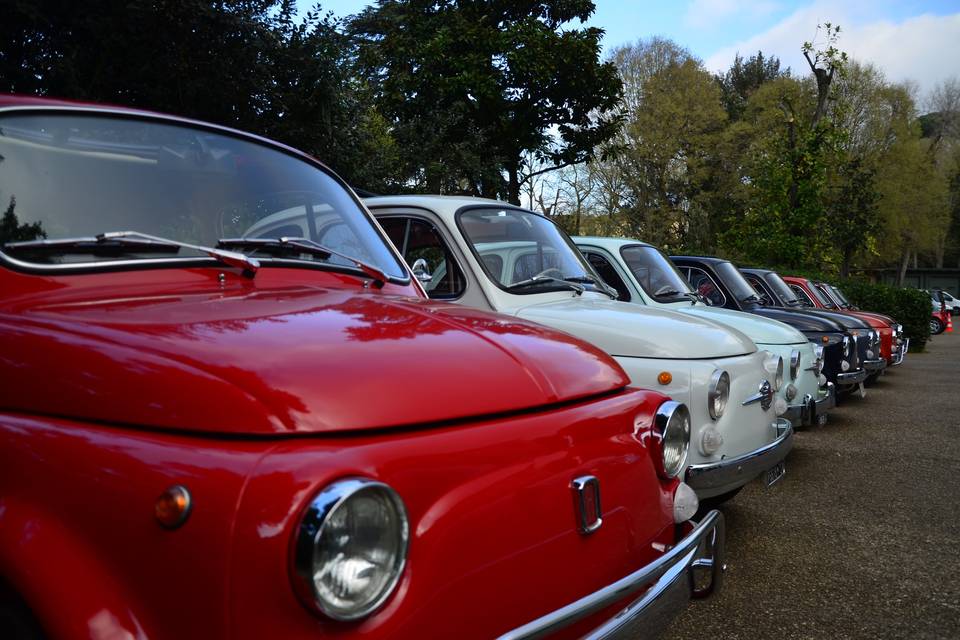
936	327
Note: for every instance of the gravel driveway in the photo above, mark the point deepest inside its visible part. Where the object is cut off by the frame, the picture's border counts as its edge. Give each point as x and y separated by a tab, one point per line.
861	538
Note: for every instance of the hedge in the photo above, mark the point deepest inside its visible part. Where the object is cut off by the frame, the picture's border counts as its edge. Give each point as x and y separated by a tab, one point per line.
909	307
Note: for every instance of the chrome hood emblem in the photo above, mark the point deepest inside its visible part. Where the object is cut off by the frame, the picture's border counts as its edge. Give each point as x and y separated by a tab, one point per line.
586	503
764	396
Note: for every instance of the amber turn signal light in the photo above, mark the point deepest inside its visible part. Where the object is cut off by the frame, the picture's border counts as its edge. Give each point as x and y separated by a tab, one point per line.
825	339
664	377
173	507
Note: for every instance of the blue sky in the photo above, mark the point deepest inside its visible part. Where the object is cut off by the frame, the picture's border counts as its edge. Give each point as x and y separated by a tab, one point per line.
917	41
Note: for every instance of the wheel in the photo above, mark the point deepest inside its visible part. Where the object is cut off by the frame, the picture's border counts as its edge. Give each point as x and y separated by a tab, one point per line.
936	327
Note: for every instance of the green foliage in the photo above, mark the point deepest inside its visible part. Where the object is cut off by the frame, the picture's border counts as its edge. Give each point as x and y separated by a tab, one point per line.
472	87
11	229
744	77
909	307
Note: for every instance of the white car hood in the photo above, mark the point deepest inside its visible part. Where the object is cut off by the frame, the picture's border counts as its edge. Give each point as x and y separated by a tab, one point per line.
761	330
625	329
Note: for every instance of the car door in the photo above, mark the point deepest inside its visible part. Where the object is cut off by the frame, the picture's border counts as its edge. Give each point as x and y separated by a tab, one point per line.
434	259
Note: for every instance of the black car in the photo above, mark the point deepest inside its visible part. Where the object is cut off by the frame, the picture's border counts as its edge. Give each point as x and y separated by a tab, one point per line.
777	293
721	284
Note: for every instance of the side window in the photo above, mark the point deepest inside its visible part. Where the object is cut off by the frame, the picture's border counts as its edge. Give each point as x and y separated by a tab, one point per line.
429	257
703	284
802	295
761	288
609	274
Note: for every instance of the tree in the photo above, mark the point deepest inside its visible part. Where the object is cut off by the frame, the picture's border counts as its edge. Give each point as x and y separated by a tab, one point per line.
744	77
824	64
471	87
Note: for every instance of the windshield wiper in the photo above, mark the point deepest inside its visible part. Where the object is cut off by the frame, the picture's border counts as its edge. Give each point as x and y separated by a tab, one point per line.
752	298
603	286
133	242
579	288
304	245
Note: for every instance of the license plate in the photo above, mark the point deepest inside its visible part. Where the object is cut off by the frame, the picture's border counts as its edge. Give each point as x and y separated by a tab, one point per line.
774	473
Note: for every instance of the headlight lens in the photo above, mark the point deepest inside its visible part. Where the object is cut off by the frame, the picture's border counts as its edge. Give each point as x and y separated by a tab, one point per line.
774	366
672	423
718	394
795	364
351	548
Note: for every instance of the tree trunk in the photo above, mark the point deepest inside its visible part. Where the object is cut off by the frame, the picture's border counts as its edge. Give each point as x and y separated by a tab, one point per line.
513	182
902	274
845	264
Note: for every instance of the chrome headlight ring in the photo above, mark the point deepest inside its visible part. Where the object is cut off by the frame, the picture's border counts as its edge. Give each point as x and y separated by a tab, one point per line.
350	548
718	394
795	364
672	425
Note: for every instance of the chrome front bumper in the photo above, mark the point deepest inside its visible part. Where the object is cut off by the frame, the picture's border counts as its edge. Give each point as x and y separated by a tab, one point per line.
807	411
733	472
665	588
900	355
853	377
875	365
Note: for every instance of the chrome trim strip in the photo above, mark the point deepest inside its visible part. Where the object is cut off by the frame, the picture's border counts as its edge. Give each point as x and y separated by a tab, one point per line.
878	364
668	583
741	469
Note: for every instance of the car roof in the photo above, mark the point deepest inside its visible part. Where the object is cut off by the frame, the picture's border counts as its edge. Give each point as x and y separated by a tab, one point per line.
707	259
608	242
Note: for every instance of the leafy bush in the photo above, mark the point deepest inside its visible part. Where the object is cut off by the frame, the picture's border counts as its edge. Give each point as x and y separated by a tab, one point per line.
909	307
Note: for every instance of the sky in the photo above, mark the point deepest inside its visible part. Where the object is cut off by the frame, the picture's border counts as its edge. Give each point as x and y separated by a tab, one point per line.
908	40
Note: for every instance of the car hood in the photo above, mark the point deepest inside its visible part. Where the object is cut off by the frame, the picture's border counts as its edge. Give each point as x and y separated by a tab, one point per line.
875	319
803	320
287	360
845	320
626	329
759	329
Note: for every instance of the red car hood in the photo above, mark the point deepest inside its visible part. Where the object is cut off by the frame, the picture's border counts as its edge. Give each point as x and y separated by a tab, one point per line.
283	360
876	320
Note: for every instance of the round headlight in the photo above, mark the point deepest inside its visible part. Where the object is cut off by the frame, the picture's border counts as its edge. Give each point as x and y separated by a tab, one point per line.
795	363
672	424
718	393
774	366
350	549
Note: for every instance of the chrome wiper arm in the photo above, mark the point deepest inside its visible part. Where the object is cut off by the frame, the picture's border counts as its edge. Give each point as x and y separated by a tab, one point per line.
231	258
579	288
306	245
603	286
134	241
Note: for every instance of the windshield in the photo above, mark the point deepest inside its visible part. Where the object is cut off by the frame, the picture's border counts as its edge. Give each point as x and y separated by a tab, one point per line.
735	281
842	299
781	288
522	251
75	176
655	273
824	297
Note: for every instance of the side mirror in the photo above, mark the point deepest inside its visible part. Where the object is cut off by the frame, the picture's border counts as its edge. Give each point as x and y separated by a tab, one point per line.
421	271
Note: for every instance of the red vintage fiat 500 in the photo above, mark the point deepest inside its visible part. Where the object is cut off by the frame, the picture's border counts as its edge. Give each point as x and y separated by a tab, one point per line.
211	435
893	344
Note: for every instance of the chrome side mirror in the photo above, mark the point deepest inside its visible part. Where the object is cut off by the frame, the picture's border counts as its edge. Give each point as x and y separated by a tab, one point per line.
421	271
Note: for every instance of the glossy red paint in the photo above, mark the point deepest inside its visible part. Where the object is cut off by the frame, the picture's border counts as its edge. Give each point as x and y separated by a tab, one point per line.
257	393
883	324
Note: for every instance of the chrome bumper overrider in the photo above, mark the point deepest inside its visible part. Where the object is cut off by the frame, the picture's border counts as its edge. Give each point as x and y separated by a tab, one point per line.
900	355
665	587
806	412
853	377
742	469
875	365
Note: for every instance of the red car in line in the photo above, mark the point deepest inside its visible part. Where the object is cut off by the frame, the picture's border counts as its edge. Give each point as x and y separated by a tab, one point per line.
820	295
212	435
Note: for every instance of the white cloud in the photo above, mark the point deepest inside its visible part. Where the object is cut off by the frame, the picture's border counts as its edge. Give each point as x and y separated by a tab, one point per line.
924	49
703	14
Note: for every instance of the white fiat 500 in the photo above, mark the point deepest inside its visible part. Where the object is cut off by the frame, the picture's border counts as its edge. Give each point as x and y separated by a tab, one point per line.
643	275
492	255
